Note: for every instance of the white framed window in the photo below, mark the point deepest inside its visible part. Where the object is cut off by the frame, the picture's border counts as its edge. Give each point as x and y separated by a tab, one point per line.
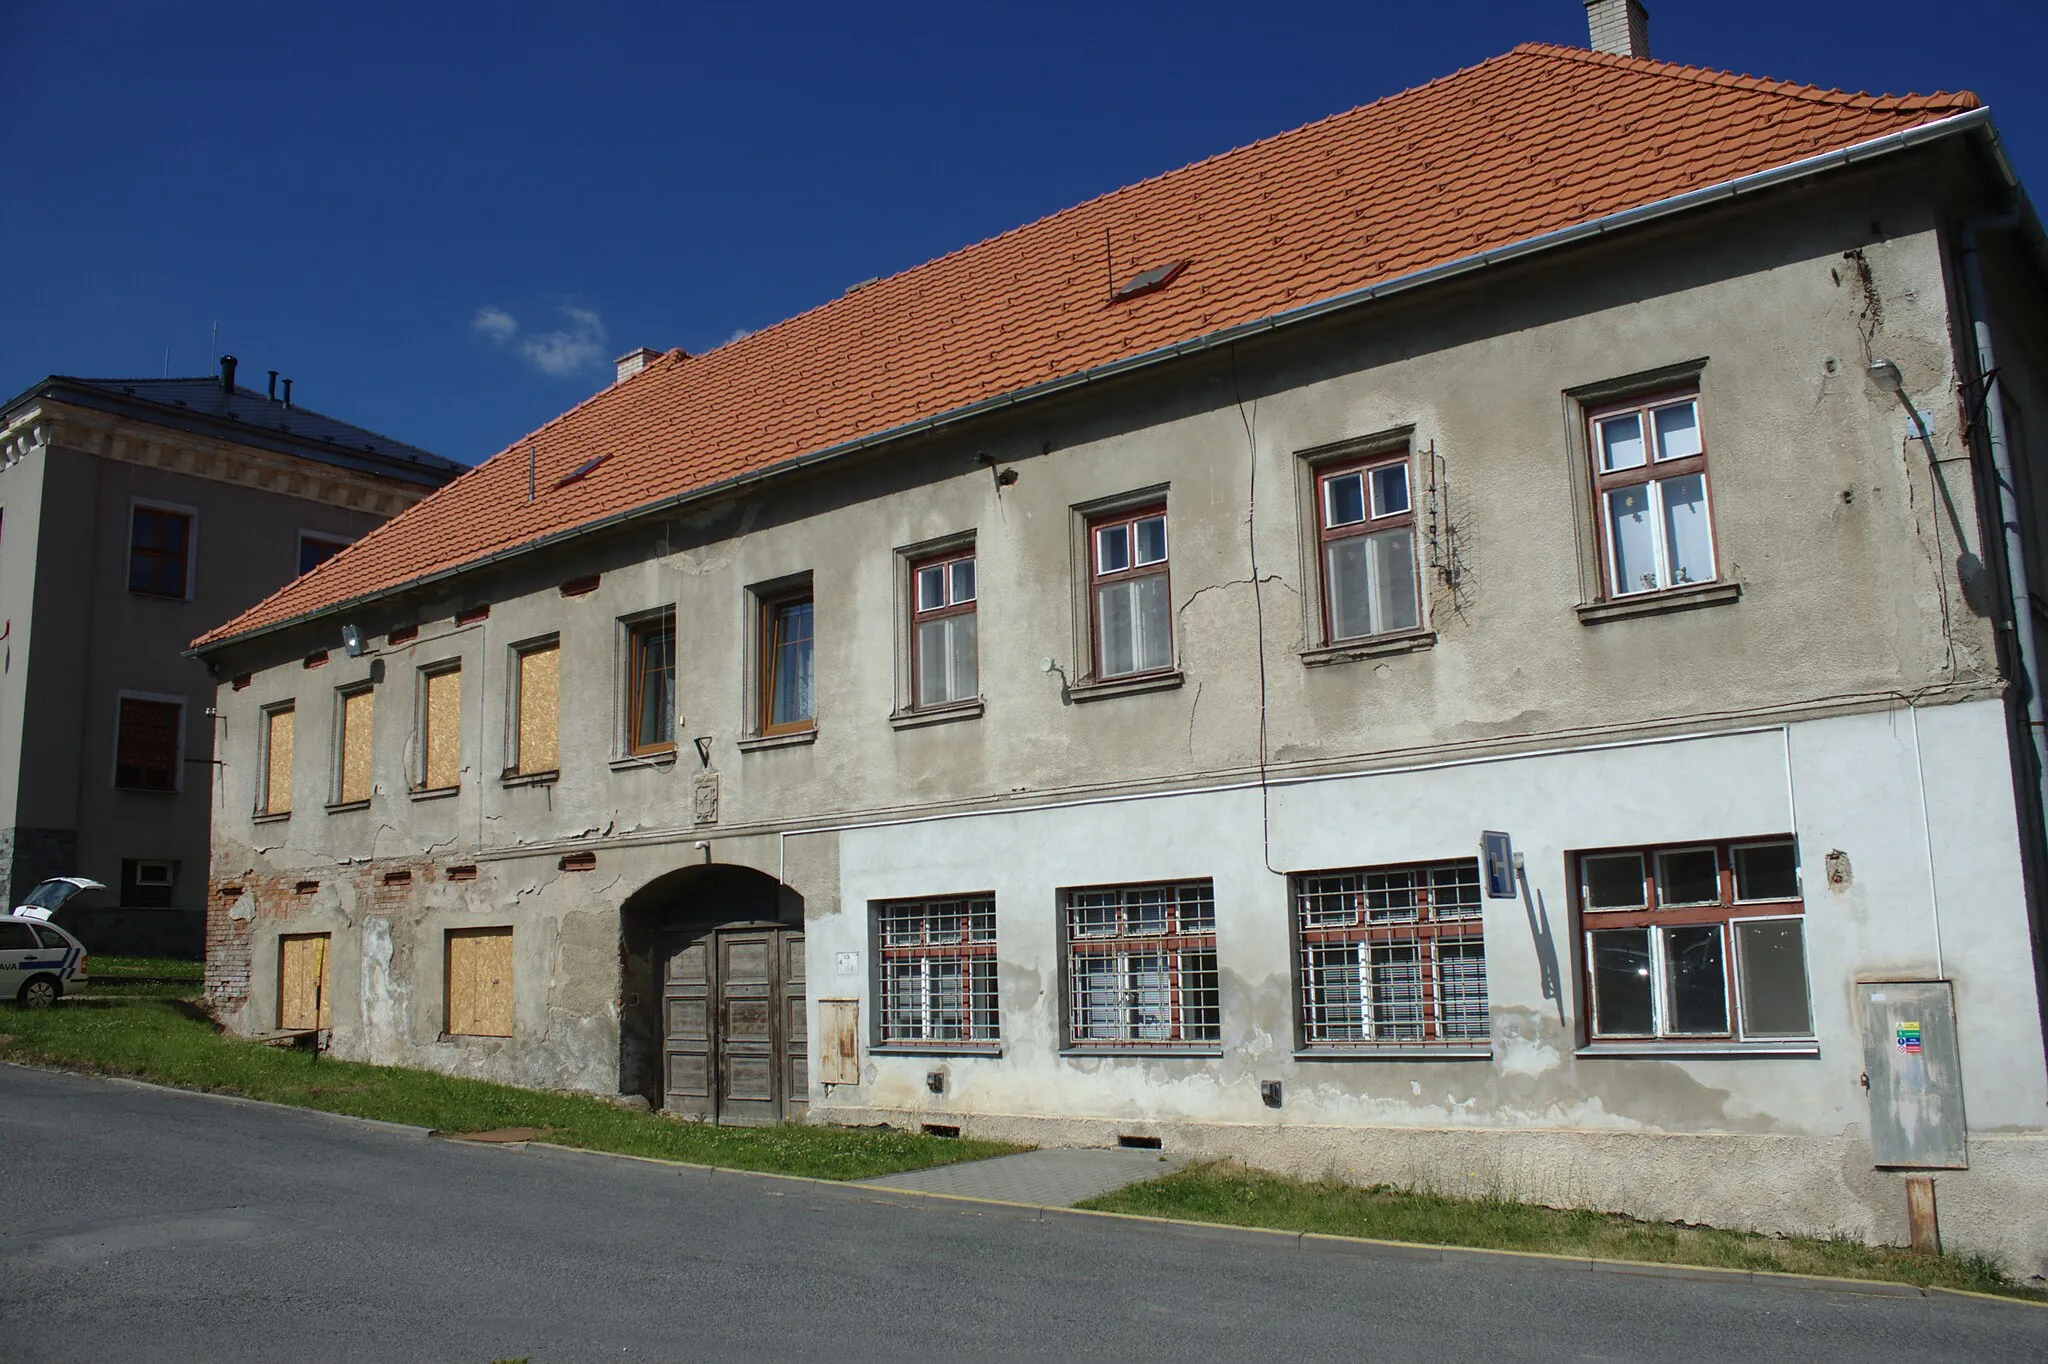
1141	966
1365	536
1391	955
1650	493
1130	593
944	644
936	972
1693	941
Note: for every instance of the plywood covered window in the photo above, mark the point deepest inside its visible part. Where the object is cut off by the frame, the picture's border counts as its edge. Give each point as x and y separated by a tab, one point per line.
536	715
1129	596
160	551
1366	534
274	774
479	993
1650	490
304	982
441	727
147	740
353	733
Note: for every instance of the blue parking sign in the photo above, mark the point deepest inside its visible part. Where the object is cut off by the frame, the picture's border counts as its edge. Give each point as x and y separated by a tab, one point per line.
1497	856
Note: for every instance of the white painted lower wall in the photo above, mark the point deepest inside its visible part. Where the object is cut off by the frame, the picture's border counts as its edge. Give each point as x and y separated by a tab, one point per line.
1919	801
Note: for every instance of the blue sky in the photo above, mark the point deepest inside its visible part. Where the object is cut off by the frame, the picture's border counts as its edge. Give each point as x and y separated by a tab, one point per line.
444	220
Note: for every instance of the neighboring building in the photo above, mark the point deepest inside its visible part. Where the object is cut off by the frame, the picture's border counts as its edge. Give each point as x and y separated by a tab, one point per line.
1064	700
135	513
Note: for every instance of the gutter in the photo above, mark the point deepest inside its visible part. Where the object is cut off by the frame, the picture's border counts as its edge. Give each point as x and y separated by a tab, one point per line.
1842	158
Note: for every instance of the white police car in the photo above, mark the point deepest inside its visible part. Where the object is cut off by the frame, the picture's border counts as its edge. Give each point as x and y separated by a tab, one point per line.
40	962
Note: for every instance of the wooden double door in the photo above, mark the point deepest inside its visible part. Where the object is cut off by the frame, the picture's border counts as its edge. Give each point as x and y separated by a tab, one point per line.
734	1048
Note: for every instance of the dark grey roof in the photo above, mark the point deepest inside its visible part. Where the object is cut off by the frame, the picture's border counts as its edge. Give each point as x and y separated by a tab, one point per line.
250	418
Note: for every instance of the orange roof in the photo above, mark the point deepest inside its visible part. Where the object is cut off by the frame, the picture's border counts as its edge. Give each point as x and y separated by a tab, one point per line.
1539	140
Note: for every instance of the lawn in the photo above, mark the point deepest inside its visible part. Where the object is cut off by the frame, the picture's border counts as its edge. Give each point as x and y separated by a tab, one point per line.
165	1041
1249	1198
145	977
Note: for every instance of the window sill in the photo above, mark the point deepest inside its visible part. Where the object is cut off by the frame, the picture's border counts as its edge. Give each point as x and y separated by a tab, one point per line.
1189	1053
1351	650
474	1037
271	817
1394	1053
1126	686
936	1049
937	715
762	742
435	793
1657	603
660	757
342	807
514	777
1709	1049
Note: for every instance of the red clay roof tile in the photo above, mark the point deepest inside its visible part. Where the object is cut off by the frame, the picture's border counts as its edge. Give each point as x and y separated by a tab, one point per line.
1538	140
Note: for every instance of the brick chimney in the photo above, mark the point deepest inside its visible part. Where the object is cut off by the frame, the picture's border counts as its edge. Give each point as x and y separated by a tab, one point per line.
1619	26
633	361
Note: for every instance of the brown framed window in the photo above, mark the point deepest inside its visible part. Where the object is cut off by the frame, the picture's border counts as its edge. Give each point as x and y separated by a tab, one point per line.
1141	966
651	684
943	662
1695	940
787	695
536	727
441	727
159	551
1129	593
354	730
1650	494
1365	530
146	744
1391	955
274	775
937	964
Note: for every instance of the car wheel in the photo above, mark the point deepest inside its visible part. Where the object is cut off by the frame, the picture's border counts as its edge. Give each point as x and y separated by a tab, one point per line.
38	993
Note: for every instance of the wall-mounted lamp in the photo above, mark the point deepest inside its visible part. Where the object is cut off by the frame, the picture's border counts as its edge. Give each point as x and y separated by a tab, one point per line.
1885	374
352	641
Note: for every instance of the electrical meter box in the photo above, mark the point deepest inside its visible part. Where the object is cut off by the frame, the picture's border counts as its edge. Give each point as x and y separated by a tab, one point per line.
1915	1075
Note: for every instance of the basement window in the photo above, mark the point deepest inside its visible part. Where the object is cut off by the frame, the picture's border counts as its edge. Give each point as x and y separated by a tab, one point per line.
1148	281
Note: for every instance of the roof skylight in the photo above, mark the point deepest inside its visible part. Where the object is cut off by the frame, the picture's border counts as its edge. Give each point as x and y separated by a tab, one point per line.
580	471
1148	281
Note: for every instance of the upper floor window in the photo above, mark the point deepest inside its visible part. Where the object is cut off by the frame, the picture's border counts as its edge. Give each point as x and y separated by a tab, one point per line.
1141	966
536	721
937	962
274	765
1392	955
1129	593
440	718
354	712
1650	490
316	549
787	698
1366	533
943	659
148	743
651	684
1695	941
160	550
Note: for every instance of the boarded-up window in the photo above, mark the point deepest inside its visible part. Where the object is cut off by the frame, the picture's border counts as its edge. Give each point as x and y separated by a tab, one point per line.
441	729
303	983
480	982
274	791
539	690
146	746
352	747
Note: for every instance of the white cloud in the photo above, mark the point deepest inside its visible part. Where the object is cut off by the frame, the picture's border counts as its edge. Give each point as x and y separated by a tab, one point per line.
495	324
566	351
579	346
739	335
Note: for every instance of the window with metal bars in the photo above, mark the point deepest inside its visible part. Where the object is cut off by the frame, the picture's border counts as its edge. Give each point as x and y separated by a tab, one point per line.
936	969
1391	956
1141	966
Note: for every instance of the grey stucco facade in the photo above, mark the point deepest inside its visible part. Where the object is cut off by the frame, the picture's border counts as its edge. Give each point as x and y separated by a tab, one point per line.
1839	683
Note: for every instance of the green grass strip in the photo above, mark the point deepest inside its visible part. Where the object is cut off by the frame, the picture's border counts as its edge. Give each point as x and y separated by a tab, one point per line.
163	1042
1236	1196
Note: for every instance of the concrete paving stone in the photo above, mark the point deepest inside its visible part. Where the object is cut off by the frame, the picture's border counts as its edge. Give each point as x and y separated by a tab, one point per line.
1055	1178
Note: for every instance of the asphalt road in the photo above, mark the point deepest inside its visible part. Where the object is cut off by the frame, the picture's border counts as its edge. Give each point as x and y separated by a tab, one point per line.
143	1224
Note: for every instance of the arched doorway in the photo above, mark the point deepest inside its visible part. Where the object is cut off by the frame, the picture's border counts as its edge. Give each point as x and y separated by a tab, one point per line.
713	1019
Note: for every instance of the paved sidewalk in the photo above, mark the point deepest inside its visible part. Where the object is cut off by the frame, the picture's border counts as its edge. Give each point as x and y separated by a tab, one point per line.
1057	1178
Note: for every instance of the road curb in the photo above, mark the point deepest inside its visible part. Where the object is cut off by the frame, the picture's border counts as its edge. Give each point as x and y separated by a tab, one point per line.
399	1129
